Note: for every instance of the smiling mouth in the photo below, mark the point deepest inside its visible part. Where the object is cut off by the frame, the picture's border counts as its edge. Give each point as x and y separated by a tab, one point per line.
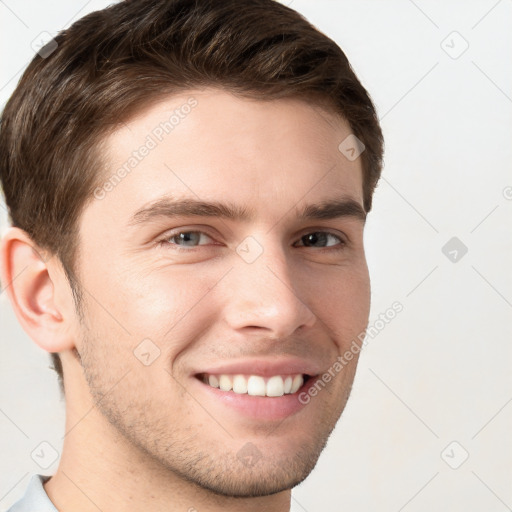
255	385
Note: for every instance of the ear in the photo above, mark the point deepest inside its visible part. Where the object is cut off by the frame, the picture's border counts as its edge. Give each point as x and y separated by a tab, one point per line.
38	291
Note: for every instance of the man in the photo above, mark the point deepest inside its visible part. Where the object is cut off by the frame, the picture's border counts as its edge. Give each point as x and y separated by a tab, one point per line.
188	183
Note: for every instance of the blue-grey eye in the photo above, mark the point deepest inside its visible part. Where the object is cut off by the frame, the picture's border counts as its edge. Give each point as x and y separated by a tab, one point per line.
189	238
319	237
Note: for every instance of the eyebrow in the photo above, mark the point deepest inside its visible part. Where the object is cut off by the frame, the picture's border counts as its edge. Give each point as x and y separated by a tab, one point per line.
167	207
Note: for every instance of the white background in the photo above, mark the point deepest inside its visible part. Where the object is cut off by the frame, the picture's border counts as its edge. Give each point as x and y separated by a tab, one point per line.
441	370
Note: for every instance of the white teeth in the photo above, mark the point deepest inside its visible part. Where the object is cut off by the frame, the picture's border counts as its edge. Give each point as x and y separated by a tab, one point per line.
297	383
275	386
239	384
288	384
256	385
225	383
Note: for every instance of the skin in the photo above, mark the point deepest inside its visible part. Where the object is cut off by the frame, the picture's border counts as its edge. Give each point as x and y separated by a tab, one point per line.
146	437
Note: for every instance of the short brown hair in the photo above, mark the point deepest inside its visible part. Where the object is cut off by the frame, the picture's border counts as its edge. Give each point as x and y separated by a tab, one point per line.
112	63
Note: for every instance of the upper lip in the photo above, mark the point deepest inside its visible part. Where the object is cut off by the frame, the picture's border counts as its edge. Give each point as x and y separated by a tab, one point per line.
264	367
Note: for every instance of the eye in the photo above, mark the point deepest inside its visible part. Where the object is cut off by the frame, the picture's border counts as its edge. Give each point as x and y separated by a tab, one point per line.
322	237
183	238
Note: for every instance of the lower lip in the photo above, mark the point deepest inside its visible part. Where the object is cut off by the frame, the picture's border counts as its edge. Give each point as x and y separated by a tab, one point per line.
259	407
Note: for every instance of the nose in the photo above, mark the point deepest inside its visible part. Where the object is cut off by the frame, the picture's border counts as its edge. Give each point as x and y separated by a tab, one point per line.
265	295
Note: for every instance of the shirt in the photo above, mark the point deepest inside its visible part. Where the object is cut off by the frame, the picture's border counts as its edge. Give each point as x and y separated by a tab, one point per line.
35	498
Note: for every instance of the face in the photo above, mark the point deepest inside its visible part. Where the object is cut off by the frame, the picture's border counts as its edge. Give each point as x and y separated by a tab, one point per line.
180	294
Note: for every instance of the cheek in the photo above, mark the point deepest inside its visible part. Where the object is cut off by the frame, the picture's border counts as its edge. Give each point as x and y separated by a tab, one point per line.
344	306
138	325
167	304
142	289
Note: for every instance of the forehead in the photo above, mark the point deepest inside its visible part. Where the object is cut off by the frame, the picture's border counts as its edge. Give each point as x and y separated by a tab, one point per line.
266	156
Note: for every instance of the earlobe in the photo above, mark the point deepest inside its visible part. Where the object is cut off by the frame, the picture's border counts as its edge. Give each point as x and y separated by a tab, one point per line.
28	283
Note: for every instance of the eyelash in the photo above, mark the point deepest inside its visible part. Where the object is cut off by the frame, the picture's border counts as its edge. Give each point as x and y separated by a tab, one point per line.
164	242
